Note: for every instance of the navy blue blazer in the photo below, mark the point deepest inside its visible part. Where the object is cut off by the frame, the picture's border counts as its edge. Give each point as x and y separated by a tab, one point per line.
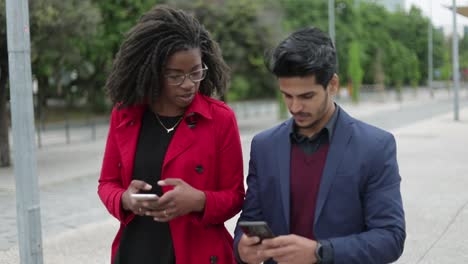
359	207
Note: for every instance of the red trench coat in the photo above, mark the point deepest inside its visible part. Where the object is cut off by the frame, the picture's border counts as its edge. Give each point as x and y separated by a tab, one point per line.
209	137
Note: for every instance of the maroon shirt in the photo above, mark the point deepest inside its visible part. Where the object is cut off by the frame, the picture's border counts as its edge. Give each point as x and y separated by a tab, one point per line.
308	157
306	172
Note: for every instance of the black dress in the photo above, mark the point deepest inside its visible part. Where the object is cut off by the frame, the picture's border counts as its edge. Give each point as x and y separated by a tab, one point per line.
144	240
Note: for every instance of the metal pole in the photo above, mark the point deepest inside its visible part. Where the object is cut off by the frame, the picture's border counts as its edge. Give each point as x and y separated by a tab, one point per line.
27	193
430	66
67	129
331	20
331	28
456	73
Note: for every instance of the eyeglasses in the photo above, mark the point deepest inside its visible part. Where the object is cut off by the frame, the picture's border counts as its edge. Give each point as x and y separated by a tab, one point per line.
177	79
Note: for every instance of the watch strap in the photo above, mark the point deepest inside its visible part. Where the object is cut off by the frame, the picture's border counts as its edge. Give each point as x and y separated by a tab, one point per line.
325	252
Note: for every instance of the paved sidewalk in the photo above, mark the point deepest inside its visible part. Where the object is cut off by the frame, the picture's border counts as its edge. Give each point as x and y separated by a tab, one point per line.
432	157
433	163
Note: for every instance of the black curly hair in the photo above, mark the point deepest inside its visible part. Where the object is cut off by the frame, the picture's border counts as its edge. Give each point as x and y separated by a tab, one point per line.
161	32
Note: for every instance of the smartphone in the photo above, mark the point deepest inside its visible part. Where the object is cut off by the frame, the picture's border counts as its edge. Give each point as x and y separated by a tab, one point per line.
144	196
256	228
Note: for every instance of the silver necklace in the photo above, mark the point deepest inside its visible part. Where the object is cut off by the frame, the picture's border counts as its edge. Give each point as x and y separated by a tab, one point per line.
168	130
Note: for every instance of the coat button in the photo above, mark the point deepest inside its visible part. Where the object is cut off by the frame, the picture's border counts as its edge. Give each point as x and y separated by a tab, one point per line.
199	169
213	259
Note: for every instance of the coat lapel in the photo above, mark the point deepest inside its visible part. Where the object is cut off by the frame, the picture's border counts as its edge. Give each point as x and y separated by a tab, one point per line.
284	160
340	139
184	135
127	133
182	140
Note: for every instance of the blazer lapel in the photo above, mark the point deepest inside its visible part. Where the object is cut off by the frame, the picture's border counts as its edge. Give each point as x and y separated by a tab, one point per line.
340	139
284	161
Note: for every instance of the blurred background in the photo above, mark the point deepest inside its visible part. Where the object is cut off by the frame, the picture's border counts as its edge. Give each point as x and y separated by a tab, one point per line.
395	67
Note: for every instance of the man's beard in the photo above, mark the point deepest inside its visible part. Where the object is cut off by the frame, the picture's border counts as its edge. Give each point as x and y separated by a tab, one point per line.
322	111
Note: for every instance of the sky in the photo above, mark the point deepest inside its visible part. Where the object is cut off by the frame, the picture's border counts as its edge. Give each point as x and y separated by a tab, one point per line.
441	16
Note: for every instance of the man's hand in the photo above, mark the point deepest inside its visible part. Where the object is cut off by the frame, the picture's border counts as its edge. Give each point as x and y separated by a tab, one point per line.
181	200
290	249
249	248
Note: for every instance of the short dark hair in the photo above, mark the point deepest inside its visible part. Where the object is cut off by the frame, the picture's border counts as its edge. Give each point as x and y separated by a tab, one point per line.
161	32
305	52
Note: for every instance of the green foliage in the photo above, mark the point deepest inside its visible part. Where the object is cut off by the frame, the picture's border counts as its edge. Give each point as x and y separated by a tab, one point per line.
312	13
117	17
239	88
413	74
396	61
355	70
244	35
56	28
282	108
446	69
74	42
305	13
374	41
463	50
410	29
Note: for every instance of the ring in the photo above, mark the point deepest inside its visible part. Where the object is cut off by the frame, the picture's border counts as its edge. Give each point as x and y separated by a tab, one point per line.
165	213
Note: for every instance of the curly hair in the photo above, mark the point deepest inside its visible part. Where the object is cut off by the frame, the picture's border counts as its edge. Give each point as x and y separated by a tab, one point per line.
135	77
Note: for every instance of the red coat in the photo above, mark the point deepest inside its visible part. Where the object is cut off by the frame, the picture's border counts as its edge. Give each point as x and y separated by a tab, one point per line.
212	142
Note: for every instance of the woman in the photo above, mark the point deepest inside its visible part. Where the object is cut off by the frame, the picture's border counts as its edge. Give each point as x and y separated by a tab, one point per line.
169	138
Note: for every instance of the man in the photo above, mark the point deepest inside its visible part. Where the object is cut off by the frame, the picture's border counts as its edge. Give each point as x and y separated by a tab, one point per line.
327	184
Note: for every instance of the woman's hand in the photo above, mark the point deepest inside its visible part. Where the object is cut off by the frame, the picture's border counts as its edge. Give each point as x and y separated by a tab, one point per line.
181	200
129	203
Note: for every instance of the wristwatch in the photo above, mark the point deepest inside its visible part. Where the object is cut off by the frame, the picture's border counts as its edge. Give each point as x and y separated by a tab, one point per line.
319	252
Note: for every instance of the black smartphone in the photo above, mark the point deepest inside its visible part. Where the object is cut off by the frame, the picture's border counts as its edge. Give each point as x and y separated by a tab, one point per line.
256	228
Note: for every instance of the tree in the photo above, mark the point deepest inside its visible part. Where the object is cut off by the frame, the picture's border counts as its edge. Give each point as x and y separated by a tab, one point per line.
446	69
117	17
374	39
55	27
244	33
412	71
463	49
397	59
56	58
